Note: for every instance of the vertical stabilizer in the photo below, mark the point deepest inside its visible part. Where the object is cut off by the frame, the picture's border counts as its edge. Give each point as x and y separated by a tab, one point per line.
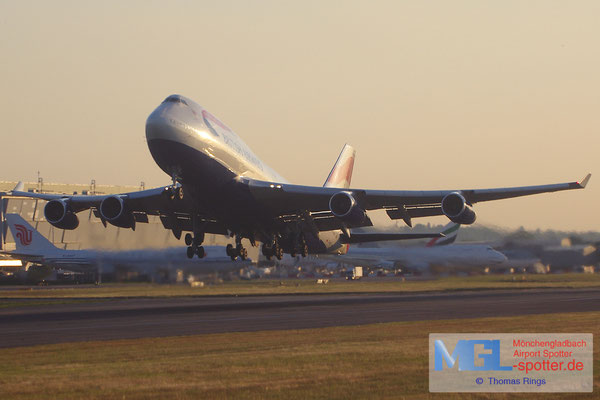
27	239
450	231
341	173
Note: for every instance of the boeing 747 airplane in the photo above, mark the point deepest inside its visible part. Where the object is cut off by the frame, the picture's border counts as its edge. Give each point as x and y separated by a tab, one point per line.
220	186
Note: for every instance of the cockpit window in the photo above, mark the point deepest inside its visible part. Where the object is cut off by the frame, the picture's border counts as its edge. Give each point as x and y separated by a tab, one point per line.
175	99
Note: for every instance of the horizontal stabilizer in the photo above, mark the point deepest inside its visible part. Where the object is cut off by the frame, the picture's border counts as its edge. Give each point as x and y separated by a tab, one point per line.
378	237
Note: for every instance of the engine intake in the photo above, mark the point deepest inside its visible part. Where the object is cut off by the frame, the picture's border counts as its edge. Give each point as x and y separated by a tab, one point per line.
344	206
113	210
58	214
455	207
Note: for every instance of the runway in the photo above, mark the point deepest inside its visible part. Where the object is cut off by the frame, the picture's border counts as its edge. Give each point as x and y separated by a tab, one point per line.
160	317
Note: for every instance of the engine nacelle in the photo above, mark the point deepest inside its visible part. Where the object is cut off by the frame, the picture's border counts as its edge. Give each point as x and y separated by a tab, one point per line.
455	207
344	206
58	214
114	211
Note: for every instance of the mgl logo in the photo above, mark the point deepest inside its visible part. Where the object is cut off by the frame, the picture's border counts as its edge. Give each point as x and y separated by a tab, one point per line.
464	352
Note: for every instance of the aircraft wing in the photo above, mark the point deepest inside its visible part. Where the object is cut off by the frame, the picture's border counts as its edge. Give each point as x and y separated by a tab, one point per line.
175	213
399	204
149	201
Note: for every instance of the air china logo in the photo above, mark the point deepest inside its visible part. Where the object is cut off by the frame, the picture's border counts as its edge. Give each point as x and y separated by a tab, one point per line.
24	235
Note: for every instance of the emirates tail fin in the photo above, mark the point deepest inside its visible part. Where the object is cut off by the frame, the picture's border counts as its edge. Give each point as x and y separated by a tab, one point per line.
450	233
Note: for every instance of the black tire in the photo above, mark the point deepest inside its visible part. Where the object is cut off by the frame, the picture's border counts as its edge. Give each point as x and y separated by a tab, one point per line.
229	250
200	252
190	252
188	239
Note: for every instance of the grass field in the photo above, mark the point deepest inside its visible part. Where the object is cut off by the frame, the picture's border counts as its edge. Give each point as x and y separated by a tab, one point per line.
370	361
307	286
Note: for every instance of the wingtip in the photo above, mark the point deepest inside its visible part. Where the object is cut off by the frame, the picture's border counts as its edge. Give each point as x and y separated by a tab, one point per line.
585	181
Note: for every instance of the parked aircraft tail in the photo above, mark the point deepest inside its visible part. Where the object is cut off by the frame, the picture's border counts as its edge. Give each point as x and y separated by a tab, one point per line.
450	232
27	238
341	173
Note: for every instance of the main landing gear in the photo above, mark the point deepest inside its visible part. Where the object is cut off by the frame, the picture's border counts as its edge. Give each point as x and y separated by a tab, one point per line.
238	251
194	245
272	249
300	247
194	241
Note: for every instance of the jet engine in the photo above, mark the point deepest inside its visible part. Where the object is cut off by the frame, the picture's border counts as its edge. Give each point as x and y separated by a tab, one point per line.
455	207
58	214
114	211
344	206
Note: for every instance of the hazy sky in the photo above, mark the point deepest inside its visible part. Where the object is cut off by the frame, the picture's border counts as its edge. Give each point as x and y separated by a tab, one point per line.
433	94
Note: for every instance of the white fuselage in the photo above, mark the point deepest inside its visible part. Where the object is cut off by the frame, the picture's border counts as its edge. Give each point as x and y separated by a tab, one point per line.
143	260
423	258
194	147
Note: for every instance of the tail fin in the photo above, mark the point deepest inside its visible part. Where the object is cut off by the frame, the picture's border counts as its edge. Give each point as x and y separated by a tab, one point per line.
450	231
341	173
27	239
20	187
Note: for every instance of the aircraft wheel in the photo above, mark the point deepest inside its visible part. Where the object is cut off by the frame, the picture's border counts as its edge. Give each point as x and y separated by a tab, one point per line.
200	252
190	252
229	250
279	253
188	239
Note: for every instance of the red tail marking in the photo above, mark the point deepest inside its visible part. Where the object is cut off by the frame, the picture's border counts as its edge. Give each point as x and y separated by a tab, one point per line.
342	173
24	235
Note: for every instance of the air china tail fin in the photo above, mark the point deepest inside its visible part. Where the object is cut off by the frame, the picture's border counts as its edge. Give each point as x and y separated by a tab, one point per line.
341	173
450	232
27	239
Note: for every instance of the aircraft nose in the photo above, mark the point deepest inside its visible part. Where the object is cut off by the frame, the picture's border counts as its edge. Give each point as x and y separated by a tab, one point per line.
166	121
500	258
